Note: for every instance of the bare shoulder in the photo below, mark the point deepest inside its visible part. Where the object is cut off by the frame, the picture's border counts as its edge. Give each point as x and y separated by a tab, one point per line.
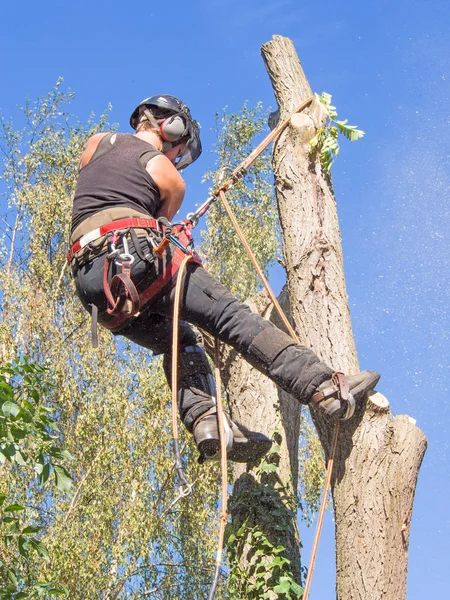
164	174
91	147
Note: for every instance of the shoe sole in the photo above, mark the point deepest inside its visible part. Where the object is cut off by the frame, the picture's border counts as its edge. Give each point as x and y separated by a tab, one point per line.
250	450
366	386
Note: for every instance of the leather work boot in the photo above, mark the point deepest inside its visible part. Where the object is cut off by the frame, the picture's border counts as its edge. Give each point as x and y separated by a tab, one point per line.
337	396
243	445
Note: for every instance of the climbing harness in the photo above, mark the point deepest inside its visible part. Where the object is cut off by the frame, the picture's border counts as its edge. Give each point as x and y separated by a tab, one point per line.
124	300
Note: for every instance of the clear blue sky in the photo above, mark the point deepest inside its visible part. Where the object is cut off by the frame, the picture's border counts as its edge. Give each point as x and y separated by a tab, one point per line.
387	64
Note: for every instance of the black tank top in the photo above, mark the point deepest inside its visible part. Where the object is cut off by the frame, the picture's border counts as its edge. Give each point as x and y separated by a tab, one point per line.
116	176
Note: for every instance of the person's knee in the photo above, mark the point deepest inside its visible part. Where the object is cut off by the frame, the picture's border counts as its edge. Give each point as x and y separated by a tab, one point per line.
267	345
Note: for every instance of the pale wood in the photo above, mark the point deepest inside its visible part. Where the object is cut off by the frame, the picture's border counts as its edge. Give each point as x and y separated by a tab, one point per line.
378	456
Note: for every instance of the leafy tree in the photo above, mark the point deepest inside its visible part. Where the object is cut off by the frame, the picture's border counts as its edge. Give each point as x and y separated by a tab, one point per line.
29	451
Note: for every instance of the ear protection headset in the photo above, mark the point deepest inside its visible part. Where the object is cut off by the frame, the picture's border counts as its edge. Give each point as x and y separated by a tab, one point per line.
172	129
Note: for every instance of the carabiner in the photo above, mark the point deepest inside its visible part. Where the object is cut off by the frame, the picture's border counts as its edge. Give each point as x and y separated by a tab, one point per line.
124	257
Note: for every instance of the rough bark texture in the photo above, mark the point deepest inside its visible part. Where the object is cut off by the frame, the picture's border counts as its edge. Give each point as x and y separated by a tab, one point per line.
378	456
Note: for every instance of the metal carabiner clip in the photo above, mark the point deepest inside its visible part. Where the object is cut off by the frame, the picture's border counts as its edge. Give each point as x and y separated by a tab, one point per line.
124	257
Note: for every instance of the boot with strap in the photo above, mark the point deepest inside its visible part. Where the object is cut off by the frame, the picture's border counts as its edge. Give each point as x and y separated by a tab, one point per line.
243	445
338	396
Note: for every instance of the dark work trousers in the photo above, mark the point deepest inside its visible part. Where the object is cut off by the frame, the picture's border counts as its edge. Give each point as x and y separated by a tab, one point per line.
206	304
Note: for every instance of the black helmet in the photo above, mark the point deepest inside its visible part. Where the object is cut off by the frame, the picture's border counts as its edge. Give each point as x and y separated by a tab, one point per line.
191	134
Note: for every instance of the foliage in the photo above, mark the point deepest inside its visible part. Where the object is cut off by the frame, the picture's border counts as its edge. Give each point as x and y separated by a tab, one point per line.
29	444
325	142
311	471
114	534
258	565
252	201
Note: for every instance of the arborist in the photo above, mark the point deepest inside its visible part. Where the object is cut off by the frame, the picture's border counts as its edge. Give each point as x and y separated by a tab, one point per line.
125	251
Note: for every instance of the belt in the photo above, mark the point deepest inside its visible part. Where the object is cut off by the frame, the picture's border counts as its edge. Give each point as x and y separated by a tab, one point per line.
104	229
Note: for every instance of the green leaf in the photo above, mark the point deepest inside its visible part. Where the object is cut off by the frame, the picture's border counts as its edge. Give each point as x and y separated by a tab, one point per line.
57	452
20	458
18	433
40	548
2	498
269	467
10	409
12	577
296	589
284	587
44	474
9	519
31	529
62	478
14	508
23	546
6	391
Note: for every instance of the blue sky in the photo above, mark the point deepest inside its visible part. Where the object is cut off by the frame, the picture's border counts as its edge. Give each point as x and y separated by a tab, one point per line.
387	64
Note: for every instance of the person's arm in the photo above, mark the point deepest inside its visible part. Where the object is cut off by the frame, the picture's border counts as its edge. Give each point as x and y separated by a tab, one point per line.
170	184
91	147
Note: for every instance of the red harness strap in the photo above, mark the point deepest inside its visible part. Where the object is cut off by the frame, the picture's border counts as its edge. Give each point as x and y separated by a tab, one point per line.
120	290
170	270
113	226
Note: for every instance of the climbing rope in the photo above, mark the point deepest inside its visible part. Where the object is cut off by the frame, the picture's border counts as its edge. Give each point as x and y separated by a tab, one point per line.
223	467
323	504
185	488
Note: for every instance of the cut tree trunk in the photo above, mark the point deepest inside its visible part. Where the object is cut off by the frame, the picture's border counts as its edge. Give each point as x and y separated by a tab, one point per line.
378	456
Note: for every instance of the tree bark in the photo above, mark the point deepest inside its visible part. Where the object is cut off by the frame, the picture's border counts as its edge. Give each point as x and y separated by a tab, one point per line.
378	456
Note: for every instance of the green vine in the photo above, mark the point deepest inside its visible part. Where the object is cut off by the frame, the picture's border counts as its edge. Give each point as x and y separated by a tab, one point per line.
267	573
325	142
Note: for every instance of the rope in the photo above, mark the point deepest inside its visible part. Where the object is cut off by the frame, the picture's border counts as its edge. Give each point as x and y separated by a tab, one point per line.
185	488
223	466
237	174
295	337
312	560
247	162
257	267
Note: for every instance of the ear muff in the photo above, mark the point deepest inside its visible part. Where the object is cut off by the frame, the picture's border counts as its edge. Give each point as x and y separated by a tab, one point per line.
173	128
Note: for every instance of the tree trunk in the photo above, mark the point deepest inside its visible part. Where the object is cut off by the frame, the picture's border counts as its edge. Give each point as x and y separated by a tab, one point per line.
378	457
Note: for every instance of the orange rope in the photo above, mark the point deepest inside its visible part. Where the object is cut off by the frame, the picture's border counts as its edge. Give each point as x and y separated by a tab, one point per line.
245	164
176	318
223	465
221	192
223	447
323	505
257	267
220	415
